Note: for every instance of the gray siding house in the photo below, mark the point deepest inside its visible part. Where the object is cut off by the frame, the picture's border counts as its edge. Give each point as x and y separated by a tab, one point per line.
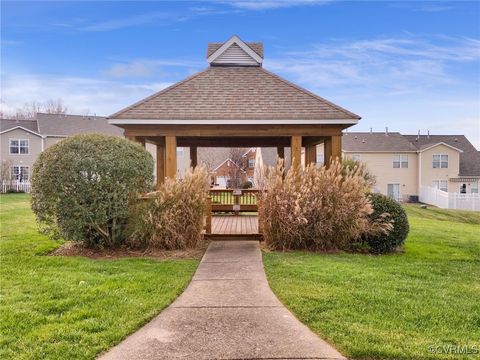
21	141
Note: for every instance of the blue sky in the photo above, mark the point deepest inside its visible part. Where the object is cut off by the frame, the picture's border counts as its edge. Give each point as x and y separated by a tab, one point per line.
407	65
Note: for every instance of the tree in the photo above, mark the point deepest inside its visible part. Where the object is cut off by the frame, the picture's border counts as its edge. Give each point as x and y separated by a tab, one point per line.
30	109
236	174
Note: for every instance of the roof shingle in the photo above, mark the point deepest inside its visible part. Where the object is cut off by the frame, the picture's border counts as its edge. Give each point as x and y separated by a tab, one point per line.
376	142
6	124
67	125
234	92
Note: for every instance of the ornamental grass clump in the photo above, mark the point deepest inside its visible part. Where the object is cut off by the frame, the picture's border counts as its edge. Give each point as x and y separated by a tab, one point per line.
317	209
171	218
82	187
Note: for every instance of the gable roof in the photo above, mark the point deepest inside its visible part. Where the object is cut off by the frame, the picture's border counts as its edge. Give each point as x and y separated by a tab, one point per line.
234	93
376	142
469	157
430	146
255	46
66	125
228	160
235	52
10	124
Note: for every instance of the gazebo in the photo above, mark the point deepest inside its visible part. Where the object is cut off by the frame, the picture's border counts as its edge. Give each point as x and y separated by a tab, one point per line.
235	102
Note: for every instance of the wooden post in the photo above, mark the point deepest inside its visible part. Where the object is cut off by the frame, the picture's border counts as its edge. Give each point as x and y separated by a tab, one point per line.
327	151
171	157
337	147
193	157
281	152
332	149
160	163
296	151
208	227
310	154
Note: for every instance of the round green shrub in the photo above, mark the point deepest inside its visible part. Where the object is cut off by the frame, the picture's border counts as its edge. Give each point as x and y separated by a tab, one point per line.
246	185
82	187
385	243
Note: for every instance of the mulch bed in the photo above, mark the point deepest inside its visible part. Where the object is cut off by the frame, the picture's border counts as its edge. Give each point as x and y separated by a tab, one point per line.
77	249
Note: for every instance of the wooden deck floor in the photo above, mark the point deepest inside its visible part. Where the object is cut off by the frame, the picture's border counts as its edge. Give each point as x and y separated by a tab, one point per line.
231	224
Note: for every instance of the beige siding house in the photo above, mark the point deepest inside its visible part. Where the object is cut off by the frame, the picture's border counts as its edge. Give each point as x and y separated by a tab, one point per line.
406	164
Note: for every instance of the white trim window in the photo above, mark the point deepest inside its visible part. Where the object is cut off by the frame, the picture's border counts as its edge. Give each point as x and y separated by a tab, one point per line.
251	163
440	184
474	188
440	161
400	161
20	173
19	146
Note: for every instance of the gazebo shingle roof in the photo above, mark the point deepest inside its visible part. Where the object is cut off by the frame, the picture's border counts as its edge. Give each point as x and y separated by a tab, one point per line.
234	92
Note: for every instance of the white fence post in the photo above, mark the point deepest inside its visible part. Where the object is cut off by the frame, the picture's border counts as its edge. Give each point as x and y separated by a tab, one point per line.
445	200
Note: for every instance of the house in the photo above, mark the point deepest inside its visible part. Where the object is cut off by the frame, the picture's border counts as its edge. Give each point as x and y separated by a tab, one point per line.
21	141
406	164
241	170
228	174
236	103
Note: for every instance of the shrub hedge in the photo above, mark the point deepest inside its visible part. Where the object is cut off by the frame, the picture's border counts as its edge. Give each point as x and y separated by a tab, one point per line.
82	186
395	238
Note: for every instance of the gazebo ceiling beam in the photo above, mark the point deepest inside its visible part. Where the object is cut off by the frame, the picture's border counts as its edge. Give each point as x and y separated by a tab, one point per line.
233	130
233	141
313	140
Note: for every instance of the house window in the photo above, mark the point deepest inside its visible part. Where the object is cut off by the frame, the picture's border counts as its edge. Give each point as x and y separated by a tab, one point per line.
356	157
19	146
474	188
463	189
400	161
20	173
251	163
440	184
393	191
440	161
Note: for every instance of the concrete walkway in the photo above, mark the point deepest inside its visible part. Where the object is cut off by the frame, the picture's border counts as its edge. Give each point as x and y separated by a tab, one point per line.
227	312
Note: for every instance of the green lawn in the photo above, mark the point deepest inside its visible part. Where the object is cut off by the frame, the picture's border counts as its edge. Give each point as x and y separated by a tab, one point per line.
73	308
395	306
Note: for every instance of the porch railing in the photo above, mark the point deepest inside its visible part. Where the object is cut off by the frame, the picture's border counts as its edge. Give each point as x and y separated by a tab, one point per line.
229	200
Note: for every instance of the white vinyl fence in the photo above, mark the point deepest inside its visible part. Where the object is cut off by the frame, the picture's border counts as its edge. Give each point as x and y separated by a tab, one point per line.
17	186
446	200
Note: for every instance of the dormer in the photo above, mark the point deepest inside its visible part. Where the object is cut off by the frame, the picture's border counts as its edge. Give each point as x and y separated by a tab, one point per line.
235	52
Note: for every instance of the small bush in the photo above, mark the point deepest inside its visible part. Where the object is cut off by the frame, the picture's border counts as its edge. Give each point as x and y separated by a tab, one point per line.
385	243
247	185
316	209
173	218
81	187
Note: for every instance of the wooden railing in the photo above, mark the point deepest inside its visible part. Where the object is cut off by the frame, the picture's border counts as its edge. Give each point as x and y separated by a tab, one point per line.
229	200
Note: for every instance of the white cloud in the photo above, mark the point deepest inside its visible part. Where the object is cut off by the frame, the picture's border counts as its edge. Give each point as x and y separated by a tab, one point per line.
148	67
133	69
80	94
383	66
272	4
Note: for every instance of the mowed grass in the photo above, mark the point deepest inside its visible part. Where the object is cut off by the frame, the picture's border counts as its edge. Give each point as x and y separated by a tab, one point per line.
73	308
394	306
